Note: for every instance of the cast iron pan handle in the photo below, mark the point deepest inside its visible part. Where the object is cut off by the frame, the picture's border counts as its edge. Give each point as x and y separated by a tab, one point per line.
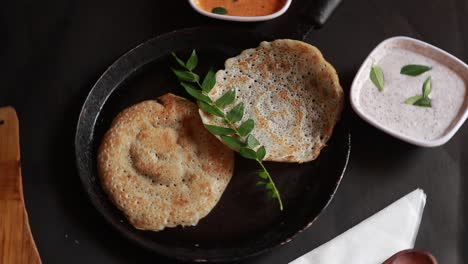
302	16
318	11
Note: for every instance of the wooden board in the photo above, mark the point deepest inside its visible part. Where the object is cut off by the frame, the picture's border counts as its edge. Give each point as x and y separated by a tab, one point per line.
16	241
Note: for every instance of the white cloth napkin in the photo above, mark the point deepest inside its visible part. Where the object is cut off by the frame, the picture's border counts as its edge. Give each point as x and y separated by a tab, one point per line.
375	239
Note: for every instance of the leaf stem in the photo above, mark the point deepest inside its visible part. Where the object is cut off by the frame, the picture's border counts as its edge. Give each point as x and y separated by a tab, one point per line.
231	125
203	96
277	194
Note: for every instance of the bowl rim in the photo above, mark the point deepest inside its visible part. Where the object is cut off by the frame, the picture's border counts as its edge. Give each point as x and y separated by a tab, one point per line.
410	139
278	13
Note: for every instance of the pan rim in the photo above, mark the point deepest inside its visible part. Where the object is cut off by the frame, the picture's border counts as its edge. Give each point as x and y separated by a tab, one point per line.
82	171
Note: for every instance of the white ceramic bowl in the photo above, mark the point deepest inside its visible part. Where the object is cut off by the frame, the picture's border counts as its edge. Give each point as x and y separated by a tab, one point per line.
241	18
422	48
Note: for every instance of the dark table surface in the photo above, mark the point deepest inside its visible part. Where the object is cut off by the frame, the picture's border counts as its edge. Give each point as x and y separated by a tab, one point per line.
53	51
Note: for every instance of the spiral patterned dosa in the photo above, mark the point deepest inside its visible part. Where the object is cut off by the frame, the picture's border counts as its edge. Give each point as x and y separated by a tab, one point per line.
290	91
160	166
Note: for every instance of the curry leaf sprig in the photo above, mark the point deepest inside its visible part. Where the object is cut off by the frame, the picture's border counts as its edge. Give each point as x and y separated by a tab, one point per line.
414	69
422	100
237	137
377	77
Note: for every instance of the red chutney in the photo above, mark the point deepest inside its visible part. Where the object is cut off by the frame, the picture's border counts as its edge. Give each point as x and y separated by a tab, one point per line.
243	7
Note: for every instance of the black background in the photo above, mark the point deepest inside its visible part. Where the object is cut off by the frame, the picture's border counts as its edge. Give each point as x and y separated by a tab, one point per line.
51	53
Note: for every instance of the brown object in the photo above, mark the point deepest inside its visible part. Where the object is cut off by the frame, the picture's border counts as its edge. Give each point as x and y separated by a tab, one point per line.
161	167
16	241
291	92
412	256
